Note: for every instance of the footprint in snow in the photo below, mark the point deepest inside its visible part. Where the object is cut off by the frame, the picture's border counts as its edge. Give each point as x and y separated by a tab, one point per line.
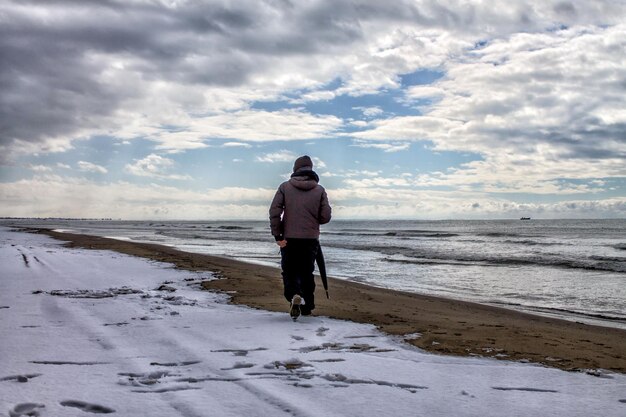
26	409
342	381
25	258
166	288
364	336
523	389
238	352
95	294
176	300
68	363
20	378
340	347
290	369
321	332
159	382
238	365
184	363
289	364
87	407
143	379
122	323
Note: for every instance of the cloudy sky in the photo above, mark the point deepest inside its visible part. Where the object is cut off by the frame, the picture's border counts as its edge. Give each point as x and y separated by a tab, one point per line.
424	109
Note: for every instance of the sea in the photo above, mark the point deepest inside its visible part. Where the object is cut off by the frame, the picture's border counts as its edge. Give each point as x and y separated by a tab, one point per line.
570	269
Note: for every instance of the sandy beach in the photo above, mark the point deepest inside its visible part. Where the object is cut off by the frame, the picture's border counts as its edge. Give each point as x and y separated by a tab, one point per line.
445	326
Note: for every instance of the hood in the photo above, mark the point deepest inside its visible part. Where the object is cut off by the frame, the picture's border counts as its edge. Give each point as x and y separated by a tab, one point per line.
303	183
304	179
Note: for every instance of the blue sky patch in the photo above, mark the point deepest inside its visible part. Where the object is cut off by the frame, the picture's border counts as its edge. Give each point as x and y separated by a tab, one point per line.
420	77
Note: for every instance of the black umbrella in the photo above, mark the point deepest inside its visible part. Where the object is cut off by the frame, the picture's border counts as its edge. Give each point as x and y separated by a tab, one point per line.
321	265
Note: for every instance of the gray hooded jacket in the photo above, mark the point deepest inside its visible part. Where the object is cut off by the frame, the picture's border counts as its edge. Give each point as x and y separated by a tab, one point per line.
303	205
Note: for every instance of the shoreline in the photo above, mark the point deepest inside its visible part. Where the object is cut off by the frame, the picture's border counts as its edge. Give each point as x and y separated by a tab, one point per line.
446	326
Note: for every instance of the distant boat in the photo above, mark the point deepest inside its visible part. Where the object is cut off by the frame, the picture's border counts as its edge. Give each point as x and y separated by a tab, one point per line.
525	218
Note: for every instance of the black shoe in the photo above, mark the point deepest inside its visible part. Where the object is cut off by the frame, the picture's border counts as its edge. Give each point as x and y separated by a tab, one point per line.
305	309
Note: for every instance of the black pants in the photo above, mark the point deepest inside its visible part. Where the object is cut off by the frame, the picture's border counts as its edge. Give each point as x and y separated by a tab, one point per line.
298	264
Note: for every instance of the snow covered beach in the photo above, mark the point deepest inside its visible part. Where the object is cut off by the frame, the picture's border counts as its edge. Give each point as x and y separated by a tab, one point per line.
91	331
445	325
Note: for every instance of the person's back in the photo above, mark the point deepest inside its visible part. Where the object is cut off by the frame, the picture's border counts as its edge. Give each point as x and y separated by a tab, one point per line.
297	210
304	206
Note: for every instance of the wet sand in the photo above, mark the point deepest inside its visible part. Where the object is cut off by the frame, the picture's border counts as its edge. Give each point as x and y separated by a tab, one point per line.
446	326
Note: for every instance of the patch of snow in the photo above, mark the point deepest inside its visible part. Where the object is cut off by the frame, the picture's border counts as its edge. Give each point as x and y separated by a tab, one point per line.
87	331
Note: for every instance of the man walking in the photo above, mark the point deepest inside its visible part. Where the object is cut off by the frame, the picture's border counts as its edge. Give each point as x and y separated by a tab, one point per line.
298	208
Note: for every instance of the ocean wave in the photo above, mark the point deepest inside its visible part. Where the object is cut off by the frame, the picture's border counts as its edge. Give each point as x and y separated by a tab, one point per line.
420	233
529	242
620	246
600	316
392	233
342	233
555	260
431	234
608	258
436	262
498	234
592	265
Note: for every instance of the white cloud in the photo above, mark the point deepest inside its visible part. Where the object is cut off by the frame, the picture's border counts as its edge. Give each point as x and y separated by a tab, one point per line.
384	146
412	128
370	111
90	167
259	125
280	156
290	157
424	92
126	84
460	180
40	168
318	163
365	202
321	95
248	125
536	107
351	173
236	145
154	166
56	196
359	123
378	182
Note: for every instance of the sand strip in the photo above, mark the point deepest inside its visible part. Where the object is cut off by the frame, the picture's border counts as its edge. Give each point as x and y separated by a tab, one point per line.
447	326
